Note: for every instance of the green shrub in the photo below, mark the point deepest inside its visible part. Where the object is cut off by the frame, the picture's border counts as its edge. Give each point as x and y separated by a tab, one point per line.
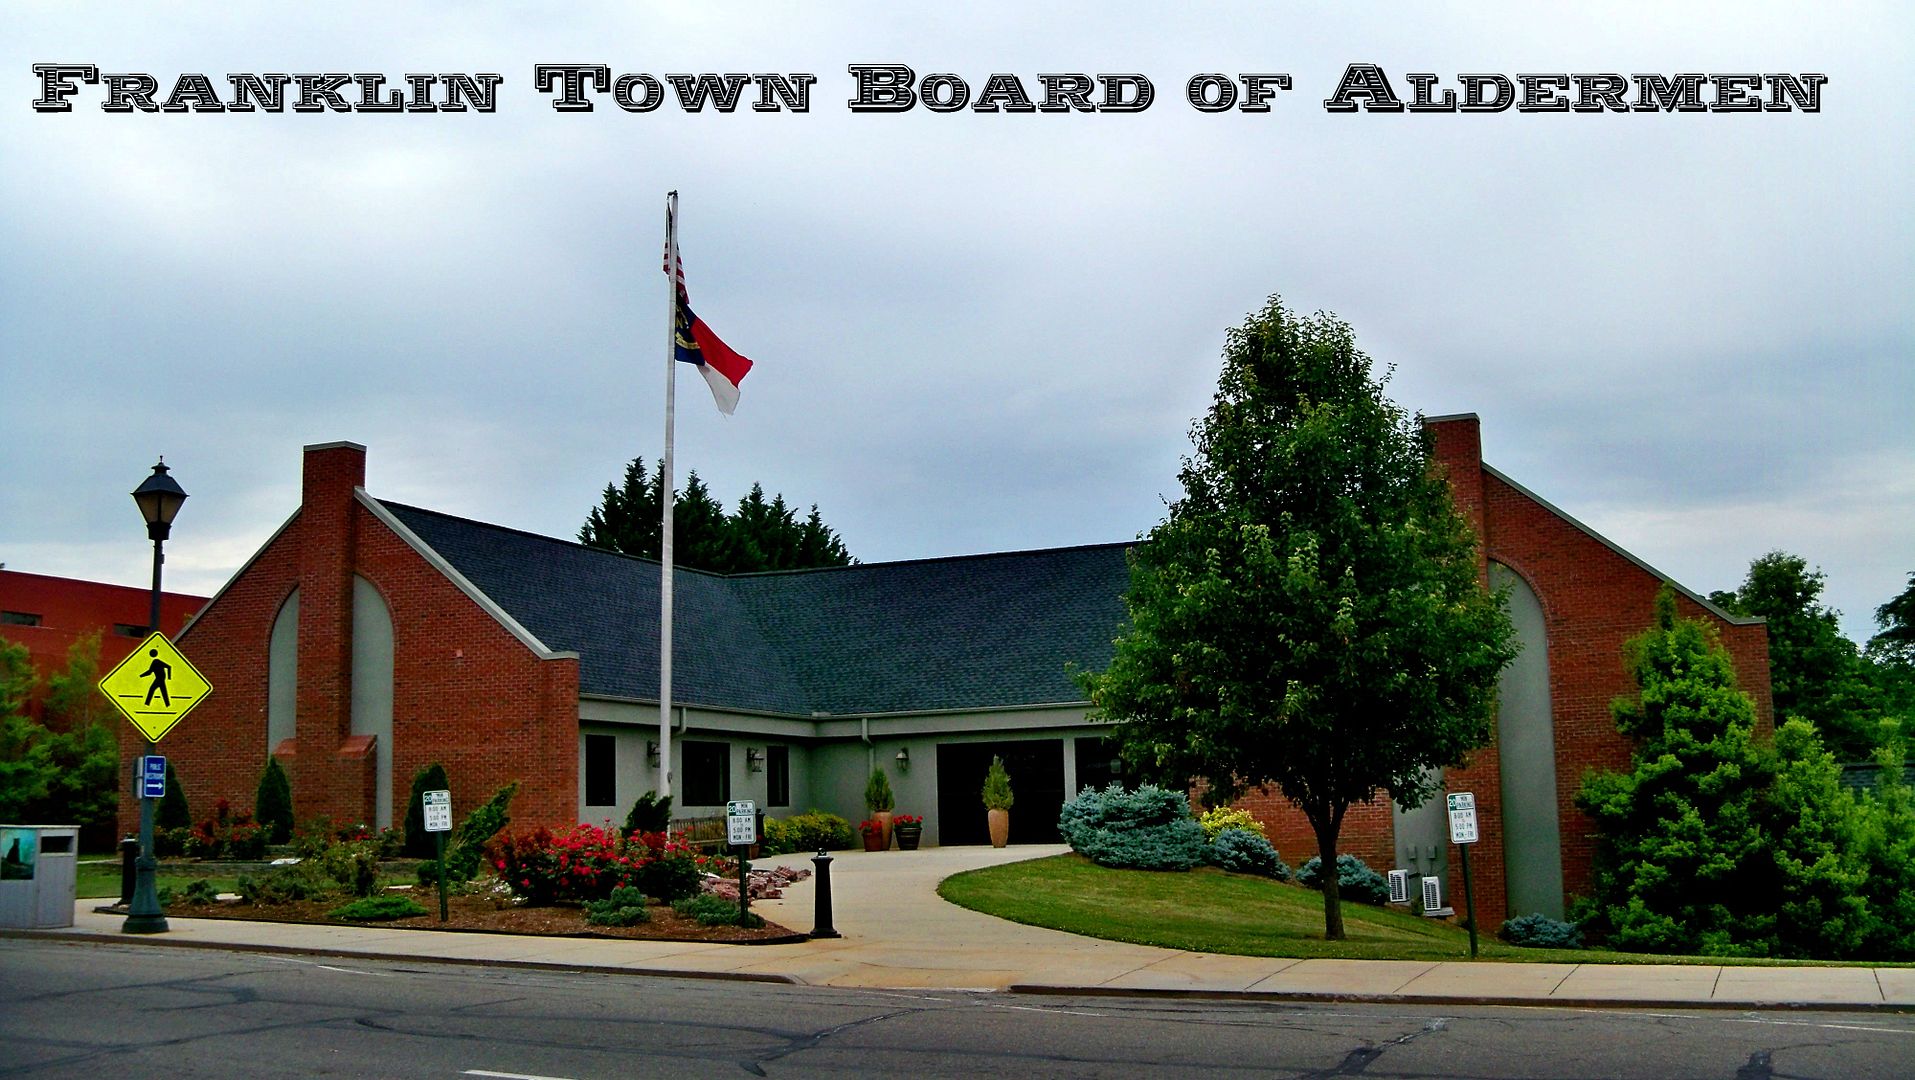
1229	817
715	911
199	891
1241	851
650	814
467	849
1146	829
273	803
811	831
354	866
166	895
1355	880
997	787
418	842
374	908
168	843
285	884
877	792
670	877
625	907
1539	931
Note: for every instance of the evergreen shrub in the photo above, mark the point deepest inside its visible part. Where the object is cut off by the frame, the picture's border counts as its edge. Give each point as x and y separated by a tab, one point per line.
376	908
1229	817
811	831
877	792
463	855
1241	851
273	803
1539	931
418	840
649	814
1146	829
624	907
1355	880
712	910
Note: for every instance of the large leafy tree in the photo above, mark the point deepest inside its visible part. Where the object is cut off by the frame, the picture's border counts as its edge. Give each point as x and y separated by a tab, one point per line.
1814	672
1310	615
762	534
55	776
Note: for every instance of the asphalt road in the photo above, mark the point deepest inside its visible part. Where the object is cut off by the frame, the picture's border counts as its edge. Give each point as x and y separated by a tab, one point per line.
112	1011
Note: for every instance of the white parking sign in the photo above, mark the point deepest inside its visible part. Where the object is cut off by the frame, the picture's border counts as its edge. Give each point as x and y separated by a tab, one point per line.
1463	817
741	822
438	806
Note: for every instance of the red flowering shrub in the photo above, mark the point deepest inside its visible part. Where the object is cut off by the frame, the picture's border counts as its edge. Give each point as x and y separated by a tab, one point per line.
228	834
586	863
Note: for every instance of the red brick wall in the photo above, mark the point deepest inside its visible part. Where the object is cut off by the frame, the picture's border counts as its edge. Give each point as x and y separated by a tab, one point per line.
466	693
69	610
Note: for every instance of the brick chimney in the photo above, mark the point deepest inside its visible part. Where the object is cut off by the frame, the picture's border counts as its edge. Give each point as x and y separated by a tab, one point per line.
1457	451
327	542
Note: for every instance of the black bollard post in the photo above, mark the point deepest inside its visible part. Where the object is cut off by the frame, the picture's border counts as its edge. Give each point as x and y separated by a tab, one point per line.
129	851
824	929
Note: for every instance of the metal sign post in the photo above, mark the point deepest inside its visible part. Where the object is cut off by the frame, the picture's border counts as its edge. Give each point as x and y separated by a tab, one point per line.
438	810
741	831
1463	833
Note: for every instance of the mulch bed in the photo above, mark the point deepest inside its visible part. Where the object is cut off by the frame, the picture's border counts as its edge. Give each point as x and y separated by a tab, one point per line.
480	914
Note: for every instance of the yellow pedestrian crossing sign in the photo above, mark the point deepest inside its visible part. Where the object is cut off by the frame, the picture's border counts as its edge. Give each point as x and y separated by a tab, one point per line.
155	686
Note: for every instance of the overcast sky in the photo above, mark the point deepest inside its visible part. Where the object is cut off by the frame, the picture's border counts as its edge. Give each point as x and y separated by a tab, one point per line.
973	332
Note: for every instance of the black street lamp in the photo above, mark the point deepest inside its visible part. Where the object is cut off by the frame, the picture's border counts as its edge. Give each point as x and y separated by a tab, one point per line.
159	497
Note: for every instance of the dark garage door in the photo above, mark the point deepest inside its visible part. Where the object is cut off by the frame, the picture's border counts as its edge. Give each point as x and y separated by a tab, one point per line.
1037	780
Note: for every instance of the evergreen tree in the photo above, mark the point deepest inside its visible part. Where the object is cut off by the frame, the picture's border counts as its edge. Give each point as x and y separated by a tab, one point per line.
1310	615
762	534
419	843
1680	847
1819	870
273	802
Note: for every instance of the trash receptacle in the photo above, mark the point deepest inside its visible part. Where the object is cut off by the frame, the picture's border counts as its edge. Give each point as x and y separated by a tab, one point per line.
39	868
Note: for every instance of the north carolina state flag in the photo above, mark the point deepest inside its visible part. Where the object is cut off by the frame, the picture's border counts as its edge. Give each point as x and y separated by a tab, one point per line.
694	343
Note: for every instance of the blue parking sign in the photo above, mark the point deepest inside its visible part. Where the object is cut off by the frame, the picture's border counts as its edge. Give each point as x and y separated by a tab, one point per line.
152	777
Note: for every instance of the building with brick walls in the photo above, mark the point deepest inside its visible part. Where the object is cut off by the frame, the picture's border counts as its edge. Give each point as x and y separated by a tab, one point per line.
367	639
49	614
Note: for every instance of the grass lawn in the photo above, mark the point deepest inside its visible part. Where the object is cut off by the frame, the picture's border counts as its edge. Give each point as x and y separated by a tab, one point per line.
1207	910
102	879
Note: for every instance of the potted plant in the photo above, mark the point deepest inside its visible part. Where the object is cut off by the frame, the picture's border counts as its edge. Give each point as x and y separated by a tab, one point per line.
908	828
879	801
997	802
873	834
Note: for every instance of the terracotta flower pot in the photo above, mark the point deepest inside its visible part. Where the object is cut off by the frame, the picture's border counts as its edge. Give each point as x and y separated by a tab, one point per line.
883	818
873	841
1000	821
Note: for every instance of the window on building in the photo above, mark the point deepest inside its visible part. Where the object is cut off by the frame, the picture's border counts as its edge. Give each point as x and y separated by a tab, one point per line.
601	770
707	779
19	618
122	629
777	776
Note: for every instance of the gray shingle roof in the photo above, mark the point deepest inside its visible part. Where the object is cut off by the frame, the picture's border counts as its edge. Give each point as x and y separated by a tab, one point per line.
969	632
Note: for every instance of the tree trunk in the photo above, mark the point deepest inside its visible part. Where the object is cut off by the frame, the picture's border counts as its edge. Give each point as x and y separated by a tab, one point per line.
1327	826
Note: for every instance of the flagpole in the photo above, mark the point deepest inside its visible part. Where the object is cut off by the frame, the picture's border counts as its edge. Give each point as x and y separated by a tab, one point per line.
666	497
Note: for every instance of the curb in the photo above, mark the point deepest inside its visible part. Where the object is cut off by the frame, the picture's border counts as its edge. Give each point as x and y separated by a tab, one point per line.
1326	997
84	938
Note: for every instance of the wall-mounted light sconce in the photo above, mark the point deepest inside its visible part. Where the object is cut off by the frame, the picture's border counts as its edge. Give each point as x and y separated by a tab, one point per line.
651	751
754	759
904	759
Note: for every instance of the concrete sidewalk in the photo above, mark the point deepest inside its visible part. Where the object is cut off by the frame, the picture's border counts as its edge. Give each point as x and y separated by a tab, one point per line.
899	934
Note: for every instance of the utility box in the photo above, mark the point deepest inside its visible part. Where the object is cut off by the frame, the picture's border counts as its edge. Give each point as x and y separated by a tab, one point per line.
39	874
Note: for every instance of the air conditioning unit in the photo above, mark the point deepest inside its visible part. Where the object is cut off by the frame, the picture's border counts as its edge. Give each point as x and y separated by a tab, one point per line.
1399	886
1432	895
